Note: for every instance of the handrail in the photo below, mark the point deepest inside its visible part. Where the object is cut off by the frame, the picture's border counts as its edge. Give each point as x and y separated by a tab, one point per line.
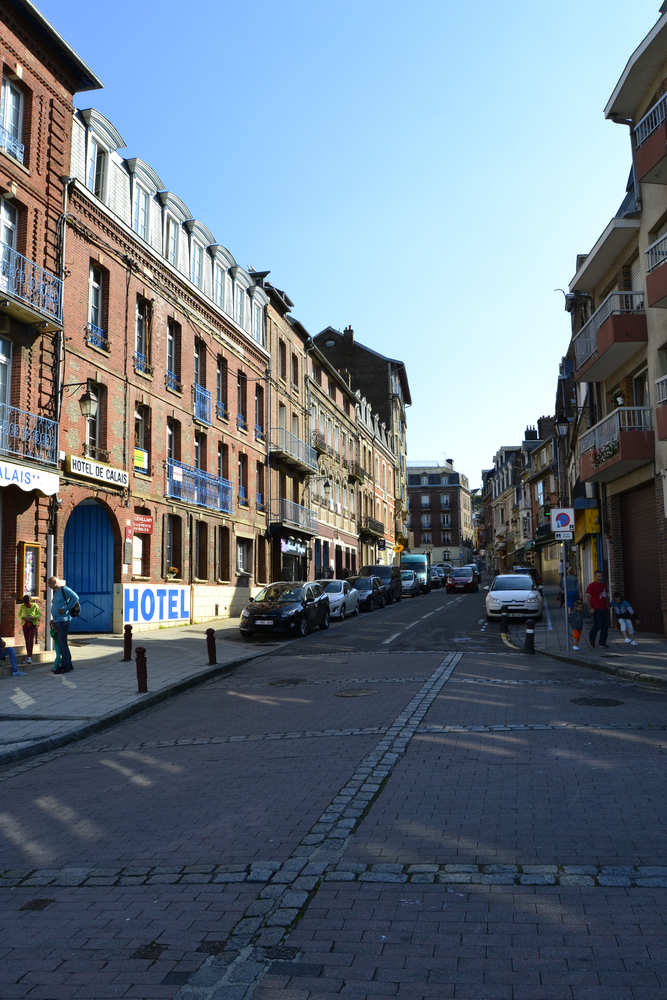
585	341
198	487
28	435
294	513
289	444
657	253
652	120
608	430
30	282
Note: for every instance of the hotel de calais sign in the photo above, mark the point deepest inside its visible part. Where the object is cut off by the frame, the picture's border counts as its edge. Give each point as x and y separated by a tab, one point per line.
90	469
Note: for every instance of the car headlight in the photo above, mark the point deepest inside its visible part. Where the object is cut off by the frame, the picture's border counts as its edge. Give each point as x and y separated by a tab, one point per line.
494	602
245	613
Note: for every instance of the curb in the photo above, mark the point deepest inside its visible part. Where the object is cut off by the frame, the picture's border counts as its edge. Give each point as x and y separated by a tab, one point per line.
118	715
604	668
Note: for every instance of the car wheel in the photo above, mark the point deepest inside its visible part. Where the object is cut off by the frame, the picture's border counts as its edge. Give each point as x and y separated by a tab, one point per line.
325	620
303	628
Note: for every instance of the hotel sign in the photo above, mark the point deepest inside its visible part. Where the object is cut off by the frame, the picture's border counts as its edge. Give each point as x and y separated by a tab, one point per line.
90	469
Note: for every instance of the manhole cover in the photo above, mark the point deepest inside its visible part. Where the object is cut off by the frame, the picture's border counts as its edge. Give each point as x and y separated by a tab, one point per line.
354	693
287	682
597	702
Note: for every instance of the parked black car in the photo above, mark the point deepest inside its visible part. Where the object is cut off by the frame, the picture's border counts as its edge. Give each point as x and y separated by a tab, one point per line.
286	607
391	578
371	591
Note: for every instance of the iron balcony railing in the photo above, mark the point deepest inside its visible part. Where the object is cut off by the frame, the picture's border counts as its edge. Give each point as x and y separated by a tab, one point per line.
243	496
259	432
27	435
198	487
260	501
586	341
221	410
608	430
25	280
96	337
661	389
11	145
284	441
657	253
288	512
241	422
372	525
172	381
141	363
652	120
202	404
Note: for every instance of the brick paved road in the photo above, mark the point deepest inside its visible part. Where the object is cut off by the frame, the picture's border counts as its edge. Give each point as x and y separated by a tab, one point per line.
398	807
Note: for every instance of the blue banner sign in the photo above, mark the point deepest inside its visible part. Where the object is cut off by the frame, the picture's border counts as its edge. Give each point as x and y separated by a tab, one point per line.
146	603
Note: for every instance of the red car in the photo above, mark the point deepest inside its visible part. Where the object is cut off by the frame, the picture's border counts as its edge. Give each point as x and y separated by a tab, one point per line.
461	578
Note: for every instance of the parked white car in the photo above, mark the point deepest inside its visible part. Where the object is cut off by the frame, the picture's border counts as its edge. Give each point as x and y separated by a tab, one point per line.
343	599
515	595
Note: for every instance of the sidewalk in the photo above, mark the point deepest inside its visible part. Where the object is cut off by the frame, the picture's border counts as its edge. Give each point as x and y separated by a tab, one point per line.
42	710
647	661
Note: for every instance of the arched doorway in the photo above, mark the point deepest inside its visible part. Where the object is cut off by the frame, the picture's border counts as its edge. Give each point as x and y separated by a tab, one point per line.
88	565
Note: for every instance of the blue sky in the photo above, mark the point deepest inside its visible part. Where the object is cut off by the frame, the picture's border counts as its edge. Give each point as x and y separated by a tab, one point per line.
425	172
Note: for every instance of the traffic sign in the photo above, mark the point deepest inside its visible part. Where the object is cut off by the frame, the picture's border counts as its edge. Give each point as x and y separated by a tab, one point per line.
398	547
562	518
563	536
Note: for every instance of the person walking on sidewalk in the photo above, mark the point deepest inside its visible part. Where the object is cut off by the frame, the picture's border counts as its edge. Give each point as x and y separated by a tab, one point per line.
64	599
29	616
576	619
624	612
597	598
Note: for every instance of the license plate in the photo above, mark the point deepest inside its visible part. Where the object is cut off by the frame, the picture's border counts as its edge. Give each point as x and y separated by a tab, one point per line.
263	621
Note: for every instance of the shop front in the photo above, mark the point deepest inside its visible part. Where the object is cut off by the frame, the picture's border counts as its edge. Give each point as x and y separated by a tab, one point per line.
289	554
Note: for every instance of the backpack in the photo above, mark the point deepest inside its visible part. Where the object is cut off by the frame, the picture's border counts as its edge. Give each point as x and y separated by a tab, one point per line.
75	610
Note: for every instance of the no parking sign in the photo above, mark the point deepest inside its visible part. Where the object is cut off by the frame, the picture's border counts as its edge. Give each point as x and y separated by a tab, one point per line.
562	522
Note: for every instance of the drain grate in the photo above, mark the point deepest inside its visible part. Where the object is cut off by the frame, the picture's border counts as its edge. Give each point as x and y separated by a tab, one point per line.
354	693
37	904
597	702
287	682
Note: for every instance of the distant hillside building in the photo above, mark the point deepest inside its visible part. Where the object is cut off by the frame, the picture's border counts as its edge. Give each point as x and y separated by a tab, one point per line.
440	512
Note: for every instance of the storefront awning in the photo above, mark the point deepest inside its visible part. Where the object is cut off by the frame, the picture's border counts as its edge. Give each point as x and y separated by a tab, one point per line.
28	478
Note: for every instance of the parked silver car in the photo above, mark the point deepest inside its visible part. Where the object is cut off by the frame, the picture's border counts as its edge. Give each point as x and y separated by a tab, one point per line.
513	594
409	583
343	599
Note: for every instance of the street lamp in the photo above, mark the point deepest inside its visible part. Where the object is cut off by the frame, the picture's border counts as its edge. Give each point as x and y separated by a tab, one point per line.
88	405
562	426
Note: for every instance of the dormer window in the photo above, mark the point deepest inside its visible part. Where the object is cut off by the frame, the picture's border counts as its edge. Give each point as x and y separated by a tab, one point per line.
219	287
239	305
141	212
196	264
97	169
172	241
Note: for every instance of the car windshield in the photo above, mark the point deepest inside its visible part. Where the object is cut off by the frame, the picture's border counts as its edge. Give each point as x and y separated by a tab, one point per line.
407	574
463	571
280	592
361	582
333	587
515	582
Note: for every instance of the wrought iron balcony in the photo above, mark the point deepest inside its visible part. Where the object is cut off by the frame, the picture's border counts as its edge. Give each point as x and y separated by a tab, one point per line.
141	363
37	292
11	145
243	496
356	472
620	442
198	487
96	337
27	435
371	526
319	442
293	450
202	398
221	411
294	515
172	381
612	335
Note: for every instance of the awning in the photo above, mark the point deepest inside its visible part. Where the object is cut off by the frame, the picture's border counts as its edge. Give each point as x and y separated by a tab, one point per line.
27	478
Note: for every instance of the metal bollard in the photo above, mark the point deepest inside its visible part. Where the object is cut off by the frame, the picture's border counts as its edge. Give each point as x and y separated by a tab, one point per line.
210	645
529	641
142	673
127	644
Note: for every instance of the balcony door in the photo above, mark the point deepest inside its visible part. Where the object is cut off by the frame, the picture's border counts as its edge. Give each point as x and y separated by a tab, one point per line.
640	393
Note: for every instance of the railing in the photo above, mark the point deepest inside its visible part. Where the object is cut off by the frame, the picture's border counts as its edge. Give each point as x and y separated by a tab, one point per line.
260	501
11	145
259	433
241	422
356	471
196	486
92	451
661	389
96	337
372	525
172	381
141	363
585	342
202	404
319	442
243	496
32	284
27	435
657	253
294	513
221	411
607	431
289	444
652	120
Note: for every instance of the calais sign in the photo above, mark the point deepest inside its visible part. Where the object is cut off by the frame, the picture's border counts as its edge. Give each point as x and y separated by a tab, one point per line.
146	603
97	470
28	479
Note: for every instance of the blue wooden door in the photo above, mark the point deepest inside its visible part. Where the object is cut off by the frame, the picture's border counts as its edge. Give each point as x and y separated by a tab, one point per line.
88	566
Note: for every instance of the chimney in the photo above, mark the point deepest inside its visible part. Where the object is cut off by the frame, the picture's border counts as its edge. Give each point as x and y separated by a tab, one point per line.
348	334
450	461
531	434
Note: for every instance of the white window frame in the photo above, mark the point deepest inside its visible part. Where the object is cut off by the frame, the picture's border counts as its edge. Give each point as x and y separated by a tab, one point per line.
171	240
9	222
141	213
239	305
15	94
244	555
95	287
196	264
219	286
97	169
6	368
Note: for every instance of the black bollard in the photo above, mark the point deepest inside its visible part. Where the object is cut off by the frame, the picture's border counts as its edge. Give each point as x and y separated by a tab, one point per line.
142	672
529	641
210	645
127	644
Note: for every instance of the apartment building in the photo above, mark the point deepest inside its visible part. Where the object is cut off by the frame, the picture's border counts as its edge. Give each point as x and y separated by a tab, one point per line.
618	305
440	511
377	514
40	75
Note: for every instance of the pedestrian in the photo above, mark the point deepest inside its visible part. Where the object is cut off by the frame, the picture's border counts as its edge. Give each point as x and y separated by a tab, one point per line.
64	599
576	619
29	616
10	652
597	599
624	613
56	645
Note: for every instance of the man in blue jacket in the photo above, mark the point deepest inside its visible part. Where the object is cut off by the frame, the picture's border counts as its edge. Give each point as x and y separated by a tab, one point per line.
64	599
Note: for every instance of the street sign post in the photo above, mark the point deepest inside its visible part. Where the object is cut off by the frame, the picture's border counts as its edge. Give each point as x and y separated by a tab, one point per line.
562	519
563	536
